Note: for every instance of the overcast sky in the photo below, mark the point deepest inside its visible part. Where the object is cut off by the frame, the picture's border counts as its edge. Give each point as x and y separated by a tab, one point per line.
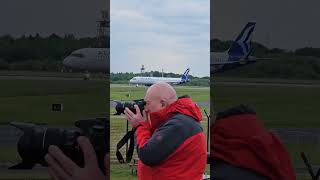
168	34
77	17
287	24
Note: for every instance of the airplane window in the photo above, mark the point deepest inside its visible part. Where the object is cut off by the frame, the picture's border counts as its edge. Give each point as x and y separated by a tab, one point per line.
77	55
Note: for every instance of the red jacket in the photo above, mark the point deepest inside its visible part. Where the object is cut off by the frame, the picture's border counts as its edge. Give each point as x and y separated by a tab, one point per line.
173	147
242	141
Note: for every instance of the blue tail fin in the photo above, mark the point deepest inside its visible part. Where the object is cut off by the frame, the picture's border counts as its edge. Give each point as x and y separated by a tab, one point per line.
241	47
185	75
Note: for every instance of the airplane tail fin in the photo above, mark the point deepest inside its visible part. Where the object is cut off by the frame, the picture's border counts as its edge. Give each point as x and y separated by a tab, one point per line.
185	76
241	47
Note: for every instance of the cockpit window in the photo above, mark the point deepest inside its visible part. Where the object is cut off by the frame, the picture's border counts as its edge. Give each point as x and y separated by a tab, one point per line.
77	55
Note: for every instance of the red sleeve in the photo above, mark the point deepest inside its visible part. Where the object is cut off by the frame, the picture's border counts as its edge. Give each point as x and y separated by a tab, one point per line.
143	134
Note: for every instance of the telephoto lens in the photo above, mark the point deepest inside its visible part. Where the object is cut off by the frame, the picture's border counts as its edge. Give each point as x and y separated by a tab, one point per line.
34	143
120	107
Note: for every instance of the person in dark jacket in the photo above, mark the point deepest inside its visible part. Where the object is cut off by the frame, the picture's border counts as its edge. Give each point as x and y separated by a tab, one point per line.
241	148
170	141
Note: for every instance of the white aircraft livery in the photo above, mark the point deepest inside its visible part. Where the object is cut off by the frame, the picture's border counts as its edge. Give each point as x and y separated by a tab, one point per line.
89	59
238	54
148	81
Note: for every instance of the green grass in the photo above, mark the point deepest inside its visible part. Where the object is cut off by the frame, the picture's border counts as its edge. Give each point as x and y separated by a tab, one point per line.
9	154
266	80
24	174
50	74
118	92
311	151
31	100
121	172
275	106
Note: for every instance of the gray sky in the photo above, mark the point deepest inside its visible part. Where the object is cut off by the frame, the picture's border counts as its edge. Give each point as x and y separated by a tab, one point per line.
287	24
50	16
160	34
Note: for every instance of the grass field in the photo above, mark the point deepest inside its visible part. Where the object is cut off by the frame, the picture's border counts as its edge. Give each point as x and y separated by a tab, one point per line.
31	100
24	175
120	92
275	106
122	172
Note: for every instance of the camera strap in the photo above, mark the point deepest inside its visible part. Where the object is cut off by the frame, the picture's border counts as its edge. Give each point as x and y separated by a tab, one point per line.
309	167
122	142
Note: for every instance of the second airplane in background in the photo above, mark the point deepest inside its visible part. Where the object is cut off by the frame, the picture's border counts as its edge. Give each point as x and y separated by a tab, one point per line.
89	59
238	54
148	81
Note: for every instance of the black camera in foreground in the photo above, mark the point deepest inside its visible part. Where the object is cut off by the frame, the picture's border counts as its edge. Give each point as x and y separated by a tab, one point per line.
34	143
121	106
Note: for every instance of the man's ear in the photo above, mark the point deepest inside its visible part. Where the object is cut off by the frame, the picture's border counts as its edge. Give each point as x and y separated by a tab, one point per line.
163	103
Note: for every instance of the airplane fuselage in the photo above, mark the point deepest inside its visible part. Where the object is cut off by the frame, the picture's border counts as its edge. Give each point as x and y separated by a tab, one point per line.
221	61
152	80
89	59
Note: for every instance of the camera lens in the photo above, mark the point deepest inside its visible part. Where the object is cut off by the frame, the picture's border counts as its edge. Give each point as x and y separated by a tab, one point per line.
34	143
120	107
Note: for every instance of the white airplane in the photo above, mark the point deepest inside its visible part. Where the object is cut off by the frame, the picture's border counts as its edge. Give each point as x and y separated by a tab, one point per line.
148	81
238	54
88	60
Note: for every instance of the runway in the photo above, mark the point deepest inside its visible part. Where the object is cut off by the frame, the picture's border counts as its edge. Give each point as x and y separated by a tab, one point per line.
44	75
307	85
177	86
19	77
39	78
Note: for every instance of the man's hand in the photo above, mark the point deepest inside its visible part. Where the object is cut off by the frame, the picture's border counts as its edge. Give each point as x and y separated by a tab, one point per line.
63	168
135	119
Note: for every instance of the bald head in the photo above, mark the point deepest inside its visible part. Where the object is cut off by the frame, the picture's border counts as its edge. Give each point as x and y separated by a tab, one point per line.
160	95
162	90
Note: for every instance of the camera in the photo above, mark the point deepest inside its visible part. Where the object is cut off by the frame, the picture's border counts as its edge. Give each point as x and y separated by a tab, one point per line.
121	106
34	143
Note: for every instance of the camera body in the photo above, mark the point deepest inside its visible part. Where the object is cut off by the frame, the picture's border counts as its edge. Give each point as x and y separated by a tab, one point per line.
34	143
120	107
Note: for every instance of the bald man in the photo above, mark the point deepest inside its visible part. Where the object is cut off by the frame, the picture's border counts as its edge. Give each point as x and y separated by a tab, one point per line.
170	140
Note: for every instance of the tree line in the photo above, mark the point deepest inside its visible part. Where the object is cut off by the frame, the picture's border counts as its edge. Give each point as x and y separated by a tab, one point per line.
33	52
259	49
